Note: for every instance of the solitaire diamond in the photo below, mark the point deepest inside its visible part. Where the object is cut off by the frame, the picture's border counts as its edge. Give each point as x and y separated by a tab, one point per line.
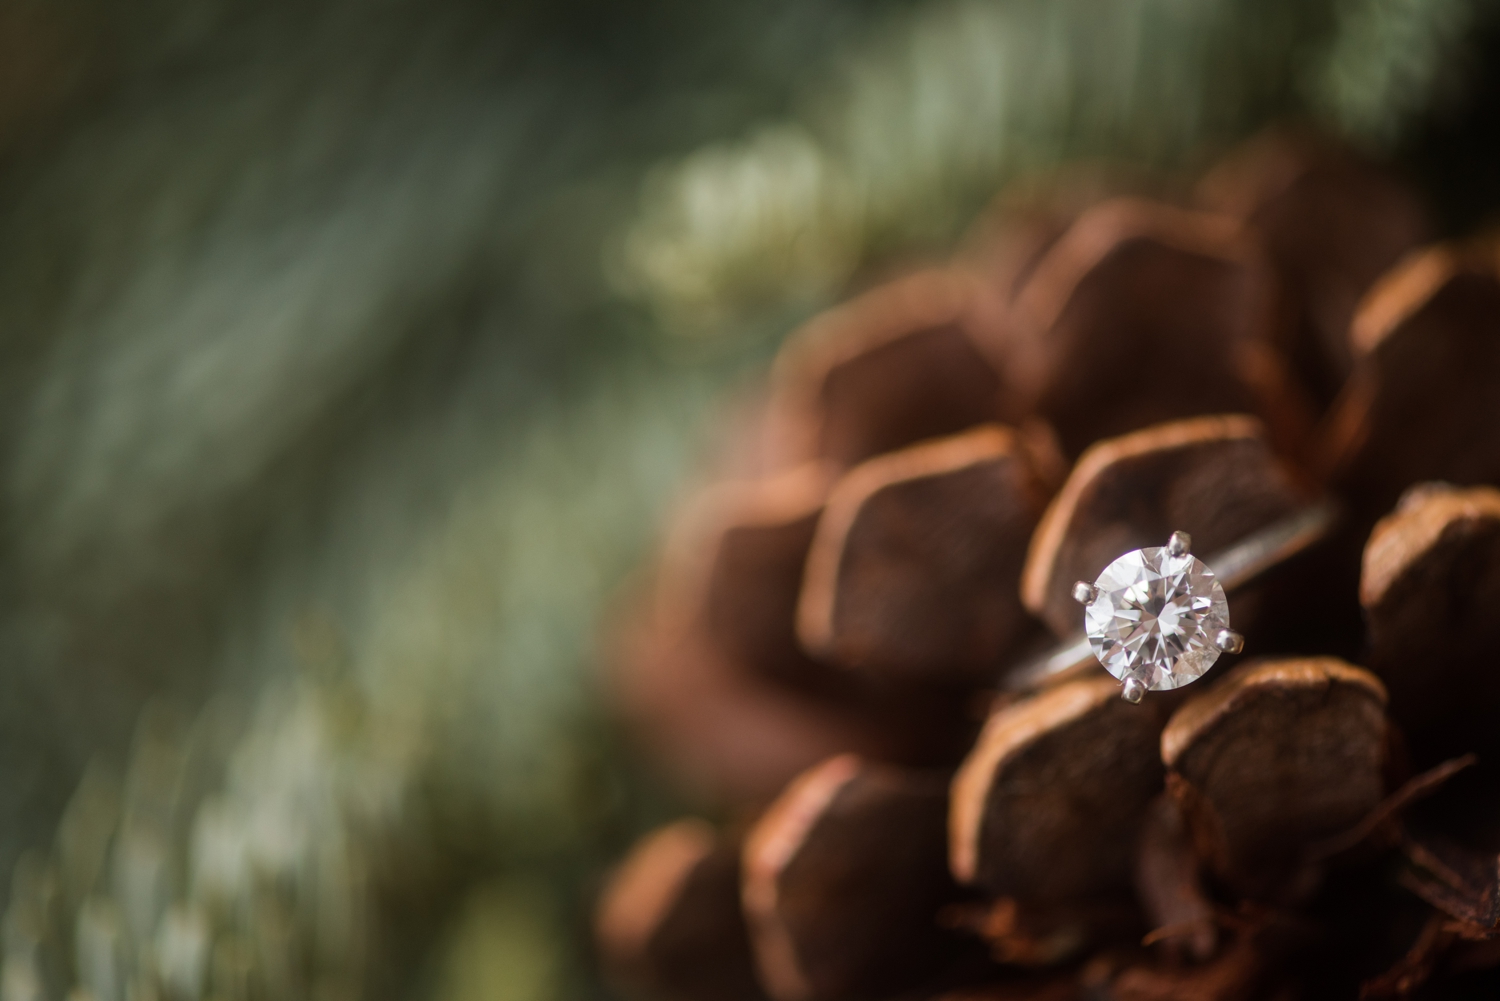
1157	618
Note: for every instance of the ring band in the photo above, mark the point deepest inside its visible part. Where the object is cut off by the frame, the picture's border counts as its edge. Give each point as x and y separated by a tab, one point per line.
1234	567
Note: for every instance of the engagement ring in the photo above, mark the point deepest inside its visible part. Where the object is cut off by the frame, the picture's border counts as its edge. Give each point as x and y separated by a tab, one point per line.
1157	618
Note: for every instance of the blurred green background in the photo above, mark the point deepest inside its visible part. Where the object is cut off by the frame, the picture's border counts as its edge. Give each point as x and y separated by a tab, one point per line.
352	353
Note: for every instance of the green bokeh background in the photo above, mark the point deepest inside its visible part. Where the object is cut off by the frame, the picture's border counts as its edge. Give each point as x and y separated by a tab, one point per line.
351	355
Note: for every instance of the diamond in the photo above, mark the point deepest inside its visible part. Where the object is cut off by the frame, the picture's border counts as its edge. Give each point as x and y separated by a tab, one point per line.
1155	617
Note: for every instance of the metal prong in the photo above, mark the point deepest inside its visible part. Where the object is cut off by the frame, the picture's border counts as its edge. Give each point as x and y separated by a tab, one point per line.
1135	690
1229	641
1180	544
1084	593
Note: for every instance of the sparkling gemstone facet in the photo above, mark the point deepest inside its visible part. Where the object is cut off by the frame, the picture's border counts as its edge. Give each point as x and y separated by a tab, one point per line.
1155	618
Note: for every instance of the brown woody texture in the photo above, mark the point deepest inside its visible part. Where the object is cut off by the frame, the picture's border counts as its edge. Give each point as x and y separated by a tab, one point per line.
820	657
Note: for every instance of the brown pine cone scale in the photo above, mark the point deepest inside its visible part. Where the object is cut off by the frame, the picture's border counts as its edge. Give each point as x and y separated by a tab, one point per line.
822	658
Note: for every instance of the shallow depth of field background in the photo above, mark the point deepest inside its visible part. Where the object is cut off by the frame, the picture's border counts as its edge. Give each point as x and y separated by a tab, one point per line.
351	354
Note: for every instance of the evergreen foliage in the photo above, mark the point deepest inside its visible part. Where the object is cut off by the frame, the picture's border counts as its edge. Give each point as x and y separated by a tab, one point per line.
329	394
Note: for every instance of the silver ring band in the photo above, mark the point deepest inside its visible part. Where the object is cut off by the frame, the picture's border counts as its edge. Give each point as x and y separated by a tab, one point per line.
1234	567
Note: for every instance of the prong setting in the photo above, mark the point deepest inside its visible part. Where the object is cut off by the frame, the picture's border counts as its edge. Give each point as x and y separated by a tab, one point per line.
1229	641
1155	617
1180	544
1134	690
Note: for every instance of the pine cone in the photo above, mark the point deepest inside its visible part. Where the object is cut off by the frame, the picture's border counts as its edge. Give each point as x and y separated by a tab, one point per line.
933	466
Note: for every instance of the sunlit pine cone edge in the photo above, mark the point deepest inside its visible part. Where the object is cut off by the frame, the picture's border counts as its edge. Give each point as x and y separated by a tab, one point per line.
935	463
